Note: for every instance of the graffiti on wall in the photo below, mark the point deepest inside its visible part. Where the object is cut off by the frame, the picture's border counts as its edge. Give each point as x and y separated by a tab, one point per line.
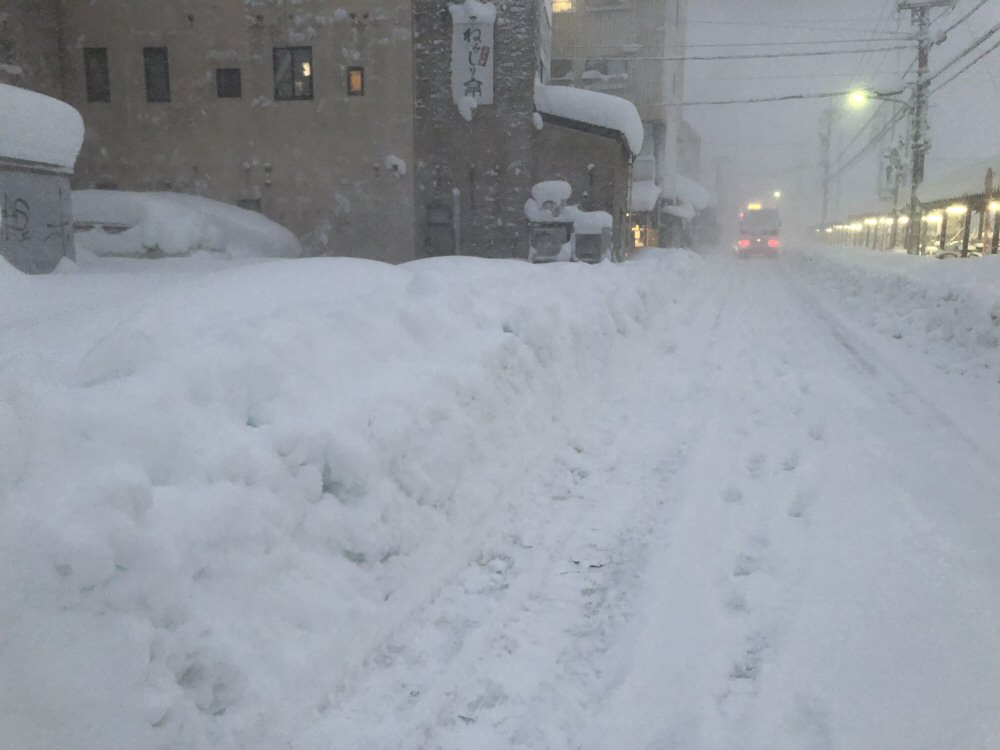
36	224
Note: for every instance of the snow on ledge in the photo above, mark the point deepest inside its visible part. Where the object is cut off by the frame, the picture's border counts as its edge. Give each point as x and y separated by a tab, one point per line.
38	128
473	11
644	195
593	108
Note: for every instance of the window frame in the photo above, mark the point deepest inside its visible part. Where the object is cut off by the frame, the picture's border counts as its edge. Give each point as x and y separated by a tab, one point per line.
95	94
224	77
356	69
295	63
150	57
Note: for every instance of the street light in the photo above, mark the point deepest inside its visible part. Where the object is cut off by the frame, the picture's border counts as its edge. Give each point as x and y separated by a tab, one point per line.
777	194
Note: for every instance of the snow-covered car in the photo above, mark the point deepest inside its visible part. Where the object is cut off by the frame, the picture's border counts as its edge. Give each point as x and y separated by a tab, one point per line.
119	223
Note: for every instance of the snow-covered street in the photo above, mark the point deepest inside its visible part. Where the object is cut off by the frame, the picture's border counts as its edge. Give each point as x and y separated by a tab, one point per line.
687	502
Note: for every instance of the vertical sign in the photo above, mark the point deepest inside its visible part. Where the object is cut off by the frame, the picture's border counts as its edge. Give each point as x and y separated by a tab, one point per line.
472	51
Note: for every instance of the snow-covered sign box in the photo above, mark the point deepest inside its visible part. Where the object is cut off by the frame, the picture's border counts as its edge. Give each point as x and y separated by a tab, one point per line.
39	141
472	54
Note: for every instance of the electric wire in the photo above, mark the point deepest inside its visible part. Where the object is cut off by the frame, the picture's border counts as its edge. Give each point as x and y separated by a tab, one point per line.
965	67
964	18
965	53
753	56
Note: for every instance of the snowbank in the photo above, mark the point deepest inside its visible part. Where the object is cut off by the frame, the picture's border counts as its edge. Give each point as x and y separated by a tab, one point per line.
592	107
219	494
948	310
38	128
174	224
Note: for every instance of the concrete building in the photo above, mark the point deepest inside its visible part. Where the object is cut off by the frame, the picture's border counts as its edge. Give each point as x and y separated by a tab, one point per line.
630	48
338	122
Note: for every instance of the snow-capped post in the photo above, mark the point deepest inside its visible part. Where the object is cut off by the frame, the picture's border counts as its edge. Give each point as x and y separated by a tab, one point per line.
40	138
472	55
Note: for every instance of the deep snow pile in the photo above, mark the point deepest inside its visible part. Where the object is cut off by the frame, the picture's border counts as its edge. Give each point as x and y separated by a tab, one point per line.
174	224
948	310
38	128
217	494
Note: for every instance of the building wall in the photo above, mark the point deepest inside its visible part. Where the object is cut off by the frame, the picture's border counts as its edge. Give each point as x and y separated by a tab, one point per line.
638	32
316	166
597	168
30	45
488	160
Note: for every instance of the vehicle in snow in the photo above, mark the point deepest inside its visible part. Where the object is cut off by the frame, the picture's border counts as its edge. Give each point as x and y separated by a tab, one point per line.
760	232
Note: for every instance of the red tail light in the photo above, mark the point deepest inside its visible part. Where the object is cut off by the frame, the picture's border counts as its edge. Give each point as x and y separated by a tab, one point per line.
744	243
774	242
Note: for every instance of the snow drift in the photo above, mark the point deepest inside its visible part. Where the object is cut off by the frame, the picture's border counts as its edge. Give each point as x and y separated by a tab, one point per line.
216	508
111	222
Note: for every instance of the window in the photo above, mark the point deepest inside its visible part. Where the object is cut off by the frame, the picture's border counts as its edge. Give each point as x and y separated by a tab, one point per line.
562	6
355	81
605	67
562	70
229	83
157	74
293	73
95	68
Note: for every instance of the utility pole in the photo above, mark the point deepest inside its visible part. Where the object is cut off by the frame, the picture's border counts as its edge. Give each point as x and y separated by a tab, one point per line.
825	138
919	141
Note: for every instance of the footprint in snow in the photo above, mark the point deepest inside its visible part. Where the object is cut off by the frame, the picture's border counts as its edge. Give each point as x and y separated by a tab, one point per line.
791	461
756	465
732	495
801	504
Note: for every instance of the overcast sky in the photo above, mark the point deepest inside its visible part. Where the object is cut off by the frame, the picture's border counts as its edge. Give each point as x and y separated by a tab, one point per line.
766	147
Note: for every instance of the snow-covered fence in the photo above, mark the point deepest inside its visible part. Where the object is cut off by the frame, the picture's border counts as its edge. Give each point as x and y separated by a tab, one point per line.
39	141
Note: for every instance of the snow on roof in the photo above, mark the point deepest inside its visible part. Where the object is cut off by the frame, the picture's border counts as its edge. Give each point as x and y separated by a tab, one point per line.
588	222
593	108
644	195
969	179
176	224
688	191
553	190
683	211
38	128
473	11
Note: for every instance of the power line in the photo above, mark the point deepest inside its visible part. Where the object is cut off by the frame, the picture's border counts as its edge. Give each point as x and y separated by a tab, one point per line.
964	18
762	56
812	43
824	25
965	68
763	99
873	141
964	53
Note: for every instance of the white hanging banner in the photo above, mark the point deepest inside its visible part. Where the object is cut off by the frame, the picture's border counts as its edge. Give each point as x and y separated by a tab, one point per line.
472	52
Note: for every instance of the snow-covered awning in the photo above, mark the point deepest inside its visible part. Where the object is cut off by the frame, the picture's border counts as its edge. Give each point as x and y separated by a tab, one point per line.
38	128
966	181
644	195
683	211
688	191
592	108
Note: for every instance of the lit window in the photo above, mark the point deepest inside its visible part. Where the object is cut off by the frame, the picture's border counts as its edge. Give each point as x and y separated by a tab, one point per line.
228	83
355	81
95	68
293	75
562	6
157	74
